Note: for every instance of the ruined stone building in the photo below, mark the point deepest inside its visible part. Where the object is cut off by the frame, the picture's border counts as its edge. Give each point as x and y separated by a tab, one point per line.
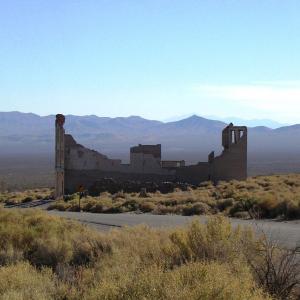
77	166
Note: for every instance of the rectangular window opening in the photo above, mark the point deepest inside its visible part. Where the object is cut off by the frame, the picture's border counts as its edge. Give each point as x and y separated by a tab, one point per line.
233	139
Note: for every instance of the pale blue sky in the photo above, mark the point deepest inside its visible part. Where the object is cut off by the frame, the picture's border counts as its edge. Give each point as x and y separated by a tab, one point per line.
154	58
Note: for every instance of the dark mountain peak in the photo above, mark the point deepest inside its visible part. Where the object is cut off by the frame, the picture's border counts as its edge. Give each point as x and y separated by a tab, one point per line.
197	120
195	117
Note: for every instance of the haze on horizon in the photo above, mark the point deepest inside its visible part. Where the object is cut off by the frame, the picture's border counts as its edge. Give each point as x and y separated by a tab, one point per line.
157	59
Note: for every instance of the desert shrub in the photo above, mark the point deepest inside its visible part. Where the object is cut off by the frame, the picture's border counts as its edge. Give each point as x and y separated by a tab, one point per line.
22	282
196	209
206	184
261	197
277	270
28	199
293	210
10	255
291	182
223	204
214	241
59	205
131	204
242	215
270	207
199	261
41	239
243	204
95	208
161	209
10	201
169	202
192	281
88	205
70	197
228	192
146	207
120	194
116	209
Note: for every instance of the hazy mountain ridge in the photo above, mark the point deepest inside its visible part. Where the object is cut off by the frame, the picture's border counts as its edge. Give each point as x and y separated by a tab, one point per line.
239	121
30	133
28	140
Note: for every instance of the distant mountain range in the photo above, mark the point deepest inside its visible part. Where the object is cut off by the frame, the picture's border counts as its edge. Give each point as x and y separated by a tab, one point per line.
253	122
246	122
191	139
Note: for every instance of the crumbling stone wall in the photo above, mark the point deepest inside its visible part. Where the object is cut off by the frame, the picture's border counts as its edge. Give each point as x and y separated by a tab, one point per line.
77	157
193	174
232	163
87	178
77	166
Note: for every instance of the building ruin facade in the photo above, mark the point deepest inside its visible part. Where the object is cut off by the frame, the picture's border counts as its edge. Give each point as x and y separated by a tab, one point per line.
78	167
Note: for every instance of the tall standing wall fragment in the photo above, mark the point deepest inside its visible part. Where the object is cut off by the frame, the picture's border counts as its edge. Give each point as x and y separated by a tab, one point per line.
232	163
59	156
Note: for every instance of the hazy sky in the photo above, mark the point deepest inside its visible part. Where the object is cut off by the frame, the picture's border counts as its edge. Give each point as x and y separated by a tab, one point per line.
154	58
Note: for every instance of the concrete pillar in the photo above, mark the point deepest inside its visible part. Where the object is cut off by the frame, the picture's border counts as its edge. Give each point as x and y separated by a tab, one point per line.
59	156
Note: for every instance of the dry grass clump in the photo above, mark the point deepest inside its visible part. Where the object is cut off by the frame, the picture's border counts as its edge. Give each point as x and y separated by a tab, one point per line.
22	281
46	257
44	240
257	197
190	281
267	197
11	198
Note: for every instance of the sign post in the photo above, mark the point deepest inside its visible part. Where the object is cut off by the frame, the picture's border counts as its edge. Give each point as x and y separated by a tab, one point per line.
80	193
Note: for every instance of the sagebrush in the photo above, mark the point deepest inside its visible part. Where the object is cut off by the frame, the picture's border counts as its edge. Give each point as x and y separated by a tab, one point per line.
46	257
275	196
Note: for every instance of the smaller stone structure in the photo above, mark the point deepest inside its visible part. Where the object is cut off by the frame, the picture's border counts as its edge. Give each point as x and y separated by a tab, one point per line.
145	159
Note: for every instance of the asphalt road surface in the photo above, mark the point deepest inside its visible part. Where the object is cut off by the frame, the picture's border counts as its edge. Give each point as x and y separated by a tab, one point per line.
286	234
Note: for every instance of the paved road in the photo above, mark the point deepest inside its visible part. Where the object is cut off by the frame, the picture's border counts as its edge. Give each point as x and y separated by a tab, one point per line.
286	233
